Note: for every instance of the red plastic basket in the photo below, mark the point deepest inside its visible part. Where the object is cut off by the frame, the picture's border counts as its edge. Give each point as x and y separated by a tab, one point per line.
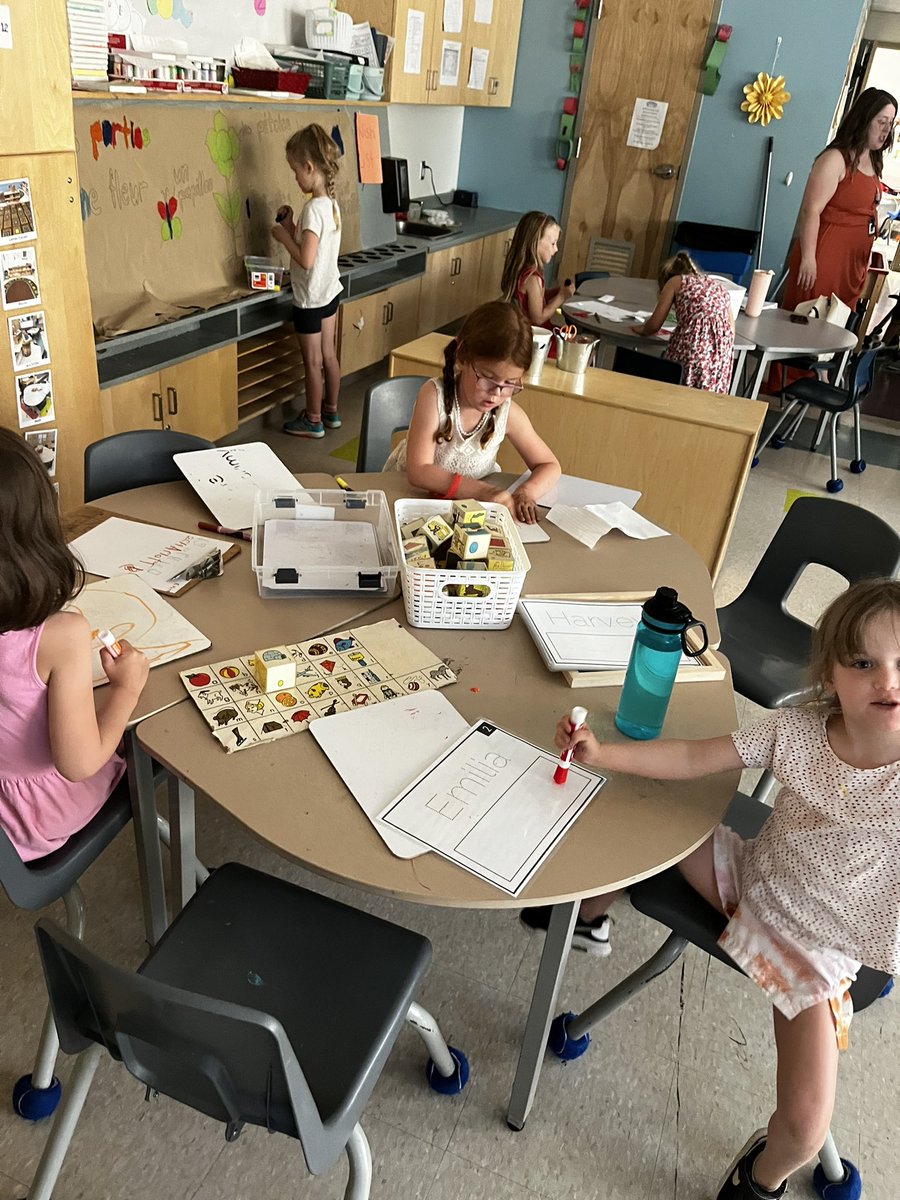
271	81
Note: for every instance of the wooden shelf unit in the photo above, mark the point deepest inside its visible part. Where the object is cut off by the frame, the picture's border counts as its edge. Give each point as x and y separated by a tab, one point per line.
269	372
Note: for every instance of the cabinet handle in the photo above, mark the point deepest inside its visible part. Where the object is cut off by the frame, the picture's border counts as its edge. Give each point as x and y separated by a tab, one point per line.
172	401
493	86
390	311
384	314
157	406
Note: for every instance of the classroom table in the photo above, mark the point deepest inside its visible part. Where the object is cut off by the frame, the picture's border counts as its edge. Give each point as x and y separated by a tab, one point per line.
777	337
633	829
637	295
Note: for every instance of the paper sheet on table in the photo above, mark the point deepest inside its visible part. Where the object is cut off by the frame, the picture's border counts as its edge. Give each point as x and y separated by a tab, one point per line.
226	479
532	533
572	489
591	522
489	804
578	635
609	312
161	557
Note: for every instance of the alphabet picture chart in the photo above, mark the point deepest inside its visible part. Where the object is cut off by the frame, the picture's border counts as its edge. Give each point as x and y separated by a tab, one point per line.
335	673
489	804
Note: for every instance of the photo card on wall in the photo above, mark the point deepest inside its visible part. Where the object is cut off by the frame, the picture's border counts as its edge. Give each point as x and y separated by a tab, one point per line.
28	341
34	398
16	212
43	443
19	278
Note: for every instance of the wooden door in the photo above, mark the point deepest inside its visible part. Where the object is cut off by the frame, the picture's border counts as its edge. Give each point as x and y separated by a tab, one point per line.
493	255
200	394
136	404
403	313
363	332
648	49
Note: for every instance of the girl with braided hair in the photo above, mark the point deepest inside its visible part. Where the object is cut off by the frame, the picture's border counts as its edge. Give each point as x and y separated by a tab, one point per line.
460	420
314	243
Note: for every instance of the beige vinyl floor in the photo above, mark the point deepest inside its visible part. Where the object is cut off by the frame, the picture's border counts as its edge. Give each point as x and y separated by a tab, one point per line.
670	1088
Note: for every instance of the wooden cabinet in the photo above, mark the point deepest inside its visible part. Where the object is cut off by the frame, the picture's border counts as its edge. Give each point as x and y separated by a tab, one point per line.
450	285
269	372
196	396
35	82
493	255
373	326
503	50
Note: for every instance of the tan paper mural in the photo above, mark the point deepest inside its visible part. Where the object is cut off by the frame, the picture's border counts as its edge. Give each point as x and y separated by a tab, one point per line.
173	196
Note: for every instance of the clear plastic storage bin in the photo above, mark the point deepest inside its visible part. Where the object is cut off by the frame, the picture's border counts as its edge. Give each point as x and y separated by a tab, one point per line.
264	275
330	542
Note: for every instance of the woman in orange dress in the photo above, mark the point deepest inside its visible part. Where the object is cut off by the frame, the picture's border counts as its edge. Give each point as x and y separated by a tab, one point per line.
838	214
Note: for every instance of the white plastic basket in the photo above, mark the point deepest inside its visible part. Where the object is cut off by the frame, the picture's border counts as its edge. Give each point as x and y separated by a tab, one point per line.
424	588
327	29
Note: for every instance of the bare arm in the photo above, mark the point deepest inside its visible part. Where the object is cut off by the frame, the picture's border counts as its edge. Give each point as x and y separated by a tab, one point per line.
82	739
540	460
540	310
421	469
653	324
669	759
304	253
826	174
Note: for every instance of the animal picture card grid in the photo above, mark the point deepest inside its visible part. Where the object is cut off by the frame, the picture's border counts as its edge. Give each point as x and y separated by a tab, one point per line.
336	673
19	278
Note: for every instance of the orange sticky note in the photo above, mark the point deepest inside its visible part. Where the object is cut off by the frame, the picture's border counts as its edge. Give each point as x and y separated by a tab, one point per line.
368	148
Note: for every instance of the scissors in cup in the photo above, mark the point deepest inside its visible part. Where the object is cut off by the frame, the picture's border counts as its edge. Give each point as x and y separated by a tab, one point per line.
568	333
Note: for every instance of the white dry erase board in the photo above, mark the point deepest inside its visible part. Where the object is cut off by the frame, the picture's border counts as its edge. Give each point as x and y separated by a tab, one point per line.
379	751
574	490
163	557
227	479
489	804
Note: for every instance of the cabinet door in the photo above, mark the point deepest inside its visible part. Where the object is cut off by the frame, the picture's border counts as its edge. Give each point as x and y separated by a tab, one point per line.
404	88
137	404
463	294
448	93
504	49
363	324
200	394
436	286
403	313
35	80
493	255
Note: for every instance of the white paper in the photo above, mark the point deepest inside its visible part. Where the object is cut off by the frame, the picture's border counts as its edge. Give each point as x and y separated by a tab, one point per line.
379	751
647	123
571	489
362	42
484	12
531	533
453	16
415	36
6	42
154	554
583	635
477	69
129	608
600	308
489	804
227	479
588	524
451	52
305	545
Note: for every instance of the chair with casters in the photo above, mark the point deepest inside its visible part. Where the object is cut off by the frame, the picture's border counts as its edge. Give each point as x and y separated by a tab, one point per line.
668	899
135	459
230	1015
647	366
583	276
832	401
387	408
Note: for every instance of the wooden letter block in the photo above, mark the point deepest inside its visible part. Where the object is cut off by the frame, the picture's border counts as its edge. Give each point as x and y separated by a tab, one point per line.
470	541
274	669
468	512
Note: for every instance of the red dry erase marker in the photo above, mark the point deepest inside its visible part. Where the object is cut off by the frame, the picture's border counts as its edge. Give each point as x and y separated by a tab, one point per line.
577	718
238	533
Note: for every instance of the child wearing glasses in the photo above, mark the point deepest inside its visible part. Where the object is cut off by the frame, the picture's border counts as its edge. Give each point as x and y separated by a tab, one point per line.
460	420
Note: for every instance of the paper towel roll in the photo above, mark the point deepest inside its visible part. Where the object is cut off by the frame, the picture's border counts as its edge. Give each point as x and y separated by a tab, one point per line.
756	295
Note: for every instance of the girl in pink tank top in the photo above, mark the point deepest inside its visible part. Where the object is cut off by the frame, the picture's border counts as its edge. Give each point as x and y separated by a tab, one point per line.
58	760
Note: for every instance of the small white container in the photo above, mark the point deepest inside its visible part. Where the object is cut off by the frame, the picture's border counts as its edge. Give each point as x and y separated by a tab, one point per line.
264	275
328	30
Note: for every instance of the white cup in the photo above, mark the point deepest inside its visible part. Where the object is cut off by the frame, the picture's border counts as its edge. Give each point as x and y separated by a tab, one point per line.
757	292
540	345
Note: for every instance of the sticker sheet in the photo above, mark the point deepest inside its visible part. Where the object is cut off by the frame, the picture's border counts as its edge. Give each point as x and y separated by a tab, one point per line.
336	673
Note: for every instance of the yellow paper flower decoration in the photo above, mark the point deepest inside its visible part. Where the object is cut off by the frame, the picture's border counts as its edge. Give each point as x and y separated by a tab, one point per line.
766	98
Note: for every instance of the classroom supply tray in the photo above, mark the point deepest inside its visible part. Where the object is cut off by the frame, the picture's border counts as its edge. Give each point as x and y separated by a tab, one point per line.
333	80
425	589
323	542
264	275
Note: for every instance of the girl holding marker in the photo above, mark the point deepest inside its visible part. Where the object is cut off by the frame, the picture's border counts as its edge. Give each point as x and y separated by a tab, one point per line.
533	246
58	759
817	892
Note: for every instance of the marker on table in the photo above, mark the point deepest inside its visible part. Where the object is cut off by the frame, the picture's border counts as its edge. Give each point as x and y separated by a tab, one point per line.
109	642
577	718
238	533
342	484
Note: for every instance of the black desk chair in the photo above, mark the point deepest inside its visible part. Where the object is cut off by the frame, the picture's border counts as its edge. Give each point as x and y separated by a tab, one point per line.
670	900
583	276
135	459
832	401
646	366
262	1004
387	408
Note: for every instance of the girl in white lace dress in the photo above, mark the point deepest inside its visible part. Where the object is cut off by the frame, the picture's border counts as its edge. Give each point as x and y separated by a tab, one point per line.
460	420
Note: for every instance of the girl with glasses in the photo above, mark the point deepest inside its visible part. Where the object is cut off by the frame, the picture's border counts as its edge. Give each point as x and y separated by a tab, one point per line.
460	420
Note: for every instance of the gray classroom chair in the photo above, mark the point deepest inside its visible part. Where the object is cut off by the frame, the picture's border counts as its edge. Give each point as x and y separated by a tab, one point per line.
646	366
387	408
670	900
135	459
262	1004
583	277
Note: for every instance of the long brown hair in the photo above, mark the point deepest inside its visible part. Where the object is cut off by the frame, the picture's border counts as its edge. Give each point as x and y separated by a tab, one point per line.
312	144
522	251
840	634
679	264
497	331
38	572
852	136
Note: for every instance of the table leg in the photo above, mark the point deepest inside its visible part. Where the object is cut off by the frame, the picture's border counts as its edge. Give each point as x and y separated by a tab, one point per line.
738	373
543	1002
764	360
146	837
183	842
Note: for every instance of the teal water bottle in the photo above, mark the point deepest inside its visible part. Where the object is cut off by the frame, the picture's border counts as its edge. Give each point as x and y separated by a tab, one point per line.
659	642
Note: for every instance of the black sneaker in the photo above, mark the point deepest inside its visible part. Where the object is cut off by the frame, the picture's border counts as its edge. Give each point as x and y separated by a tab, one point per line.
739	1184
590	936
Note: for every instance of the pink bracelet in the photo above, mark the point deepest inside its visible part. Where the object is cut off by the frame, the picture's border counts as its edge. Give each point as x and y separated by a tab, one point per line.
453	488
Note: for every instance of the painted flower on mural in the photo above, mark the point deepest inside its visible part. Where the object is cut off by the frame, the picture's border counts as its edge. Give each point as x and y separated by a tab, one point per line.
223	146
171	10
766	98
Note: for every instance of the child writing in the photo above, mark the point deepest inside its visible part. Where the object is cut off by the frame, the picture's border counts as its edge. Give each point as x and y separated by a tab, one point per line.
58	760
532	247
314	243
460	419
703	338
817	892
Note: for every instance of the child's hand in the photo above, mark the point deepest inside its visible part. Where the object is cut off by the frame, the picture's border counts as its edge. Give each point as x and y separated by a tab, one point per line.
505	498
586	748
524	507
285	216
129	671
280	234
566	289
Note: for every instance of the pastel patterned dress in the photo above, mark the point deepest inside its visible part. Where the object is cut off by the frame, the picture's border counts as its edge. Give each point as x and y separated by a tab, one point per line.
703	338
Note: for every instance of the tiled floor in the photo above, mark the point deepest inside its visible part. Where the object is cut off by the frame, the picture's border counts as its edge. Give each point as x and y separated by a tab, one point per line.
671	1086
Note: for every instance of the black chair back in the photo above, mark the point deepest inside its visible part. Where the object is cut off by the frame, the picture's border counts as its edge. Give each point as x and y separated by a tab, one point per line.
135	459
647	366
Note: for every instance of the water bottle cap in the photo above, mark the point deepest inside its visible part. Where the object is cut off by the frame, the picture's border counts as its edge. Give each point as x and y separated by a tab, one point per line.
664	606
